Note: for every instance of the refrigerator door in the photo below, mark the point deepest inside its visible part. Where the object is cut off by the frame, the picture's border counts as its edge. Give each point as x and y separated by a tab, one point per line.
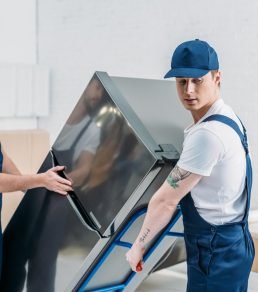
104	154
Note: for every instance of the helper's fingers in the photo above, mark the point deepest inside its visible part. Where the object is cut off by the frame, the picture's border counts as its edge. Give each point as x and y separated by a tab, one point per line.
58	168
64	181
60	179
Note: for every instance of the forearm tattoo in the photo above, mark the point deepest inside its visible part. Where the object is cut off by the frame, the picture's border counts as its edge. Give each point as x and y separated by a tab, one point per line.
177	174
144	236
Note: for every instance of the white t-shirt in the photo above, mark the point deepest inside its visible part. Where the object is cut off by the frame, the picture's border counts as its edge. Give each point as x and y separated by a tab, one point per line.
89	140
214	150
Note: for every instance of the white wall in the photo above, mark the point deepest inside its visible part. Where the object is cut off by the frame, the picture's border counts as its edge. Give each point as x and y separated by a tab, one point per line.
18	31
137	37
18	46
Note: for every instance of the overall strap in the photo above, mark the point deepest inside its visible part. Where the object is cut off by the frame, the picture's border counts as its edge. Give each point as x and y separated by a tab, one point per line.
243	137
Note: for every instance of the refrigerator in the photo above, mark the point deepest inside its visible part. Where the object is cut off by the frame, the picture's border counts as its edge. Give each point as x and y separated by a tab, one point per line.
118	145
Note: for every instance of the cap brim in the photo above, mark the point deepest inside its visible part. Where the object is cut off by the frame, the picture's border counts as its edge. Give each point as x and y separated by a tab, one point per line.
186	72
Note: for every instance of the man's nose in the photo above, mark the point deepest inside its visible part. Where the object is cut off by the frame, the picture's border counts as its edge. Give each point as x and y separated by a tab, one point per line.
189	87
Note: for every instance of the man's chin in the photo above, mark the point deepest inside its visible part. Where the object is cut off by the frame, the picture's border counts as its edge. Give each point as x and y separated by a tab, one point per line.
192	107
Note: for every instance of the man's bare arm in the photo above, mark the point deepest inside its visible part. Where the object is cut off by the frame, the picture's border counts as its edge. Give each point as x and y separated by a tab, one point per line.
177	175
11	179
8	165
161	209
49	180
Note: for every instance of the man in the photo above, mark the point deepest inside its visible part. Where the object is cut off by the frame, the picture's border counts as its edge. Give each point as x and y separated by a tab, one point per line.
215	166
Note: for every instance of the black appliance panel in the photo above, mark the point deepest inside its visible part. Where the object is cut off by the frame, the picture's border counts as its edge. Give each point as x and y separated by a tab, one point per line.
45	243
104	157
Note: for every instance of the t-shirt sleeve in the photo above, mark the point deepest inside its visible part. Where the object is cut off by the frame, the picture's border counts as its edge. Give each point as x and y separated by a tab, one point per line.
202	150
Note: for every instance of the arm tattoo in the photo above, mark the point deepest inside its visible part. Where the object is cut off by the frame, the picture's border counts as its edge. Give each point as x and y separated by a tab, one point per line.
145	234
177	174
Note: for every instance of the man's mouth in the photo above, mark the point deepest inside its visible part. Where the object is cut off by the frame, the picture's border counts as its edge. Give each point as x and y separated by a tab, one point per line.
190	100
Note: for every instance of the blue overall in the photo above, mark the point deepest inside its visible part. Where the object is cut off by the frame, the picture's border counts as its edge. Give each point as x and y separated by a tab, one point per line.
219	257
1	236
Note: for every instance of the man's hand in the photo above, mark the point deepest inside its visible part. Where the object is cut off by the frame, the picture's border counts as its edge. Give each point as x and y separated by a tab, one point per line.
135	257
53	182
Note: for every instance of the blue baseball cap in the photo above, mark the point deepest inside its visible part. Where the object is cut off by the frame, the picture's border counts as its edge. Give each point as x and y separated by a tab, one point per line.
193	59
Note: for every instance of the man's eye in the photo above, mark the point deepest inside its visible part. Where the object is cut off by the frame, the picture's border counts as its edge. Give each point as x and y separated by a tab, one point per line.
182	82
197	80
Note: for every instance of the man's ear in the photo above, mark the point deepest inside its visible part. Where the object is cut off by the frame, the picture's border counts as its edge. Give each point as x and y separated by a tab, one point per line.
217	77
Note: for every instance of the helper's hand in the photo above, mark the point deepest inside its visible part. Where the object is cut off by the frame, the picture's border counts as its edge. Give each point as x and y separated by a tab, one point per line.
54	182
135	257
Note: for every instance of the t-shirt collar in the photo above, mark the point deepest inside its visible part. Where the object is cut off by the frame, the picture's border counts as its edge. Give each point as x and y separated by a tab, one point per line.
212	110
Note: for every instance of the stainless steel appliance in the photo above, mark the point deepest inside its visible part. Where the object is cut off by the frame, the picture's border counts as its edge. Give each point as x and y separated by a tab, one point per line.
56	243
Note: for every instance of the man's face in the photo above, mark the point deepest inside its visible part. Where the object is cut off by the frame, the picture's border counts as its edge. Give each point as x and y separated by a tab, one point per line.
198	93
